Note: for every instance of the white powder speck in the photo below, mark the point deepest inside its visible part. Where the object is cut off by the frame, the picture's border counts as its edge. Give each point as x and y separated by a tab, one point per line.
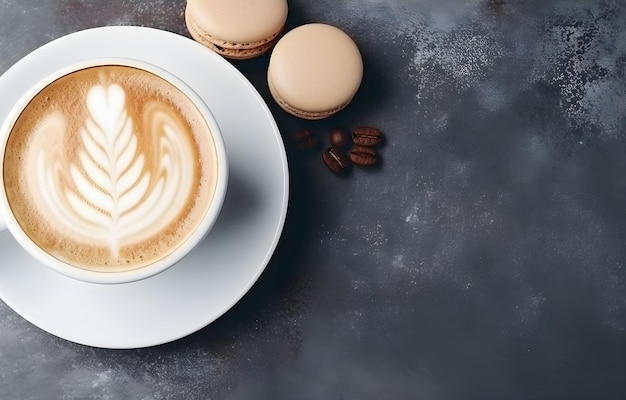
583	61
398	262
529	309
412	217
102	378
458	58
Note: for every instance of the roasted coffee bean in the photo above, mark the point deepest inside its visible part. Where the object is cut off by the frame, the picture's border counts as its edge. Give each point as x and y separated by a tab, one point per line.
338	137
334	159
366	136
363	156
304	139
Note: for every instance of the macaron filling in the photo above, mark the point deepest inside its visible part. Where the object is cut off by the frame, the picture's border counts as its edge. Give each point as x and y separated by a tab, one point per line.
312	115
237	29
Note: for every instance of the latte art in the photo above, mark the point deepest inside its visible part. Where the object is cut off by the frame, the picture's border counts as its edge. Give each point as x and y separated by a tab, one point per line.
110	193
122	168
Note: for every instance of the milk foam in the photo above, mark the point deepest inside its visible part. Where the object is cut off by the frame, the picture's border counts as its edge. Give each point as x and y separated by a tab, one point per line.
115	196
110	168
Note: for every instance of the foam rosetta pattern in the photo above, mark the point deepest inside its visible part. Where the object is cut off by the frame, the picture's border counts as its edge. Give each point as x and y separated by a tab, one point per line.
119	188
110	168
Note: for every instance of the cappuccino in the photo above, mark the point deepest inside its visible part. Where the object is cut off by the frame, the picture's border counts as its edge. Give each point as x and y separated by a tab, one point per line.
110	168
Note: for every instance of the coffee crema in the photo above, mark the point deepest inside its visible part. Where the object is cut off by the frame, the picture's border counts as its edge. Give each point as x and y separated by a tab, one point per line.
110	168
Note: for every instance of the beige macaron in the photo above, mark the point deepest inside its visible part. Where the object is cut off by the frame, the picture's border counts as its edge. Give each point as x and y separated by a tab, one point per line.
236	29
314	71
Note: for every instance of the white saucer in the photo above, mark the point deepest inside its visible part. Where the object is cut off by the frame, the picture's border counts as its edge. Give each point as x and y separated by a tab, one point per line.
210	280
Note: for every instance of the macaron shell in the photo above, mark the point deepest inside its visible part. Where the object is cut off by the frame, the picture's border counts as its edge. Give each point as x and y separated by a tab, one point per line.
227	49
294	111
315	69
241	22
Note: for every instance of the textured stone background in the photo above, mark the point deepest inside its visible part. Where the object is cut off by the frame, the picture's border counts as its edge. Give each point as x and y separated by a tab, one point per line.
483	258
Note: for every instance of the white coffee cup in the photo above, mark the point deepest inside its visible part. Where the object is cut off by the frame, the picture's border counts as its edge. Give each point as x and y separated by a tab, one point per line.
165	194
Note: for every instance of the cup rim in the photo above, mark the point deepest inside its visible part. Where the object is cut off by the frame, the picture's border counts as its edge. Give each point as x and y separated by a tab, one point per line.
199	232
